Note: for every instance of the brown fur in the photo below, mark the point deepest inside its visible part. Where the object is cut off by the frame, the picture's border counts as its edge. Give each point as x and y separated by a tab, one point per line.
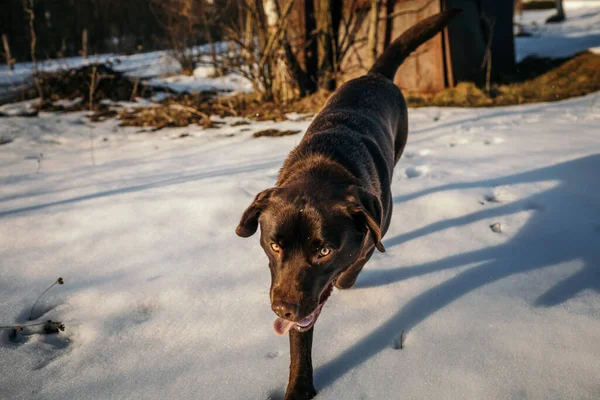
334	192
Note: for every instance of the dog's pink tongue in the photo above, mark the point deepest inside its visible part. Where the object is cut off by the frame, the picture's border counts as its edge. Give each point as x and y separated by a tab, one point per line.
282	326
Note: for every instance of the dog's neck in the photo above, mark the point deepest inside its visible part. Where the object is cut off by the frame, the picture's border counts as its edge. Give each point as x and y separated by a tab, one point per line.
316	169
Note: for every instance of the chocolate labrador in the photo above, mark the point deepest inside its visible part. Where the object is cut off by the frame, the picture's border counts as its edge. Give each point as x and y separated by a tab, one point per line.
332	203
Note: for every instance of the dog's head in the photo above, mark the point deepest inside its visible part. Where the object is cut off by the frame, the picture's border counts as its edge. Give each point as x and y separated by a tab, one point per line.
311	232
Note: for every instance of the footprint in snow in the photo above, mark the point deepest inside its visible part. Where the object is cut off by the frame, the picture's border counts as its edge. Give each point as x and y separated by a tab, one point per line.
496	227
499	194
50	348
459	141
415	172
415	154
496	140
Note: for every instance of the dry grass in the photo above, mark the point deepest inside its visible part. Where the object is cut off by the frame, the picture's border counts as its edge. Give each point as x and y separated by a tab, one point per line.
109	84
274	133
536	80
183	110
577	76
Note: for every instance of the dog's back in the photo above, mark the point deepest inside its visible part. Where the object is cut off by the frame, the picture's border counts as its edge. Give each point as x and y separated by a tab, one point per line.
332	203
364	125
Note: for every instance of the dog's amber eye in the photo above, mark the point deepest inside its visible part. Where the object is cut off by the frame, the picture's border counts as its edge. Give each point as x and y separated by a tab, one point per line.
275	247
324	252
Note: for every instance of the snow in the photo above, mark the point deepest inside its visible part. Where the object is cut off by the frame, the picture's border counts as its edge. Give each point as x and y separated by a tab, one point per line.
162	299
158	67
203	79
579	32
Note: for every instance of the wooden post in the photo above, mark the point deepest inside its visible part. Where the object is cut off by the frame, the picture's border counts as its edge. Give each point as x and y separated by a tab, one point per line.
9	60
84	44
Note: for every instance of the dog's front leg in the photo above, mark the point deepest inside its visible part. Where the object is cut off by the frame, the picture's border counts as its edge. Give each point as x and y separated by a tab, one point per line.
300	385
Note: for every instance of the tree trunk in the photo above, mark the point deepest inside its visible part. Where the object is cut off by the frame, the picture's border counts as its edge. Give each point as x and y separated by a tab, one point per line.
373	25
329	16
282	89
84	44
9	60
311	48
28	6
208	37
502	38
389	23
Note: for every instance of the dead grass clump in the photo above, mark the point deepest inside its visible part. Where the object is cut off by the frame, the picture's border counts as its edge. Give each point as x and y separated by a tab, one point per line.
576	77
186	109
249	106
75	83
536	80
165	116
465	93
274	133
179	111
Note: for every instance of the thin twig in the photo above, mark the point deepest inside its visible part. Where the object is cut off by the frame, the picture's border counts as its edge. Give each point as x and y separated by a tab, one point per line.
134	90
28	6
95	80
20	327
593	103
488	53
59	281
39	162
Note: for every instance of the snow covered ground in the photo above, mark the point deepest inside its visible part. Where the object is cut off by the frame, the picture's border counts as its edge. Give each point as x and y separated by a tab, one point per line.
579	32
158	67
162	299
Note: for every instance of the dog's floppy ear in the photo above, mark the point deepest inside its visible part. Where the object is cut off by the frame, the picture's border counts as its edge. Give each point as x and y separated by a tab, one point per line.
249	222
366	209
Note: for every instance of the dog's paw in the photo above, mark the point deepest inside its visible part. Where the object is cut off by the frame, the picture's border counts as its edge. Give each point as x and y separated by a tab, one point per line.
300	393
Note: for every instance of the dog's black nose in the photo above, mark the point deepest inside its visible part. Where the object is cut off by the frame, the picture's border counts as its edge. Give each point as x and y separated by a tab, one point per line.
285	310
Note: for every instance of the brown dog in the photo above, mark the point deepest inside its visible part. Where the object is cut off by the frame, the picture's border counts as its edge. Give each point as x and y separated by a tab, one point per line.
332	203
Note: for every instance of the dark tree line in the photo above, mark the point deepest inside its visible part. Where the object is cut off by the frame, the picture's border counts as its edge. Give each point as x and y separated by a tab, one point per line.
286	48
124	26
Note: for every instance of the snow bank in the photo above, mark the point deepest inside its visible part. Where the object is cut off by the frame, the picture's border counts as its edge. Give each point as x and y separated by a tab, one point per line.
163	300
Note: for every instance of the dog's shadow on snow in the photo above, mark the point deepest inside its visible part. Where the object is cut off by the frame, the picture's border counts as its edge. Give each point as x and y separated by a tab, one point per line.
565	226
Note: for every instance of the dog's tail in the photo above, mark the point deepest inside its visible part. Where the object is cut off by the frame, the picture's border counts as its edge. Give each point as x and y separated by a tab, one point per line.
400	49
